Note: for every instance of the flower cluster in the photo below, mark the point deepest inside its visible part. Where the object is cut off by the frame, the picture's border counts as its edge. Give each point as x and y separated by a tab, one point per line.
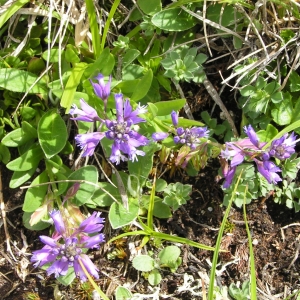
188	136
66	249
121	130
250	148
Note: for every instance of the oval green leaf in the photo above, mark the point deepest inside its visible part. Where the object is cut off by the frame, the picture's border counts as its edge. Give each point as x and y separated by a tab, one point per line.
20	81
52	133
34	196
86	190
143	263
27	161
173	20
119	216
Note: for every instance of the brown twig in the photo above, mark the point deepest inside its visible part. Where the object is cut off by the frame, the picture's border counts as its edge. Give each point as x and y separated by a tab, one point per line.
3	214
214	94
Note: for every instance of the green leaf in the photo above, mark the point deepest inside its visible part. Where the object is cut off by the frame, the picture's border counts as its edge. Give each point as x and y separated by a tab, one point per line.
169	254
70	55
123	293
160	185
296	111
36	65
268	134
20	136
284	113
149	7
4	154
173	20
52	133
71	86
101	198
19	177
38	226
142	168
20	81
161	210
165	108
248	90
27	161
222	14
86	191
34	196
154	277
143	263
119	216
294	80
104	64
130	56
143	86
54	55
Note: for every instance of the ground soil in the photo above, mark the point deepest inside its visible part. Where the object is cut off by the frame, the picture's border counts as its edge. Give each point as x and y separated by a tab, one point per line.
276	248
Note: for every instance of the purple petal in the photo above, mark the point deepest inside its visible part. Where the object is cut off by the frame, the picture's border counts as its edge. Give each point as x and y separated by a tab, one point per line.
116	155
201	132
48	241
101	89
86	113
174	117
268	169
159	136
92	224
180	131
58	222
119	107
131	117
58	268
94	241
137	139
89	142
89	266
43	256
229	177
133	155
252	135
237	159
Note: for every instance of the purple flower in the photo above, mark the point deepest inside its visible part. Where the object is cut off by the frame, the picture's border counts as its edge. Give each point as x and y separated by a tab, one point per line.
92	224
86	113
229	174
268	169
233	153
58	222
101	89
174	117
159	136
66	249
121	131
283	147
252	135
88	142
130	115
191	136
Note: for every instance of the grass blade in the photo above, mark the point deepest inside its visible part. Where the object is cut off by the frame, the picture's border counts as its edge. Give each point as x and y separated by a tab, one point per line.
252	261
91	10
107	23
218	243
11	10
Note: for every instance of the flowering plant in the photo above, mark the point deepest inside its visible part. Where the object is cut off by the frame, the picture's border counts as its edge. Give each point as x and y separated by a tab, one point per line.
65	249
120	130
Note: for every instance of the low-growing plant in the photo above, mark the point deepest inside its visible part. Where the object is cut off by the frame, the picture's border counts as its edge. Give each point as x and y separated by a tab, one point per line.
169	257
